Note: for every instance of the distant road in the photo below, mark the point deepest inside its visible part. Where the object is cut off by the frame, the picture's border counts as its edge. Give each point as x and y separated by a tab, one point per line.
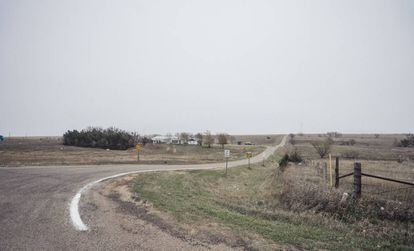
34	202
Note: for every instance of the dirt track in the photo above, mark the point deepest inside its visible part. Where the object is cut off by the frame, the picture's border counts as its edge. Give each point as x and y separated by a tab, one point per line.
34	210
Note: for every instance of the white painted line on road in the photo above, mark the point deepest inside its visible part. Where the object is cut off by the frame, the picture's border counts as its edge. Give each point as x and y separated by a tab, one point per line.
74	204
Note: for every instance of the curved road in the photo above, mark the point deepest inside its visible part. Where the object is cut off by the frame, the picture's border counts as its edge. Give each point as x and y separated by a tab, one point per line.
34	202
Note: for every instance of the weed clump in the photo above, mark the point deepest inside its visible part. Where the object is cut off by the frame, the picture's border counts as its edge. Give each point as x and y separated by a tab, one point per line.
301	196
294	157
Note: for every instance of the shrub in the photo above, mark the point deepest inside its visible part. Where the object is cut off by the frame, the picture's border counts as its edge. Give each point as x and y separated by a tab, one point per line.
322	147
284	161
295	157
111	138
408	141
292	139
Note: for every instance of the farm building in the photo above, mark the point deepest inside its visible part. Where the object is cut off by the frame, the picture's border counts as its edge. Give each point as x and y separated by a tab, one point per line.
165	140
192	142
160	139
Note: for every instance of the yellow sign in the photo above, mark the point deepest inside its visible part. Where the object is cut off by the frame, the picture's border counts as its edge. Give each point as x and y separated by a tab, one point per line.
249	154
138	147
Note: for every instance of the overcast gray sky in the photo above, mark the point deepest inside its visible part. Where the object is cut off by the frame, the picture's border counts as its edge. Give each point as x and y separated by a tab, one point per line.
221	65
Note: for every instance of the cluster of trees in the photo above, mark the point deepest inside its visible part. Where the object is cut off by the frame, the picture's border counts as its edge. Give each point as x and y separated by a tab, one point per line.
110	138
222	139
206	138
117	139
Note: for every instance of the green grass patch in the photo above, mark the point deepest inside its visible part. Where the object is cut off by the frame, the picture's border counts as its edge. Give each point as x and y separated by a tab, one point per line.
246	202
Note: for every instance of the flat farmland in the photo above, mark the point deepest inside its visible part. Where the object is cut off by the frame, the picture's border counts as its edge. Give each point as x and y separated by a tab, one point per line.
41	151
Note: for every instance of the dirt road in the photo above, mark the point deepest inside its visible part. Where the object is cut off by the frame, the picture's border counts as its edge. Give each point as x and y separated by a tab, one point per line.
34	209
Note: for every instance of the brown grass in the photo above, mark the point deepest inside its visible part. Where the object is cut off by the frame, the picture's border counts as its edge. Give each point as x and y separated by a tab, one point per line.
385	206
50	151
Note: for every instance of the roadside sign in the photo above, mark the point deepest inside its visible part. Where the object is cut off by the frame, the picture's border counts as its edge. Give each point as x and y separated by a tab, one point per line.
226	156
138	148
249	155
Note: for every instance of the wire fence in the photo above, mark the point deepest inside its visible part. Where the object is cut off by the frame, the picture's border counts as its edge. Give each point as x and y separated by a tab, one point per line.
375	185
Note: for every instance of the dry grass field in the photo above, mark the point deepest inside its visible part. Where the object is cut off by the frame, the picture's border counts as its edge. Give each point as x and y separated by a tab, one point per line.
377	155
366	146
266	208
38	151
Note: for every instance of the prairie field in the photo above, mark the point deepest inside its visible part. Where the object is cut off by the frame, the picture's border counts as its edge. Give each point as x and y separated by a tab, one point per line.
267	207
39	151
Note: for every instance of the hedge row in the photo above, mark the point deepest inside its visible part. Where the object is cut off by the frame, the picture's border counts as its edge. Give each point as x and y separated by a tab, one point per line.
111	138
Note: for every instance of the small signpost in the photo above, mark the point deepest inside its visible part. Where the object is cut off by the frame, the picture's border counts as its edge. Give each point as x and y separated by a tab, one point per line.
138	147
264	157
249	155
226	156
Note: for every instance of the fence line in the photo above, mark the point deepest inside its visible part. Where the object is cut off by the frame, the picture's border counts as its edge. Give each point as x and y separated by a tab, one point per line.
388	179
357	173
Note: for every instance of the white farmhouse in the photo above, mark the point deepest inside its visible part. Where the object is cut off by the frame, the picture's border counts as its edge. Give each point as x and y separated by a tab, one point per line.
160	139
192	142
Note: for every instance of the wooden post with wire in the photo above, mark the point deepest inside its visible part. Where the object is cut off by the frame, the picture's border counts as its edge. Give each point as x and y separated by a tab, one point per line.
357	180
330	170
336	172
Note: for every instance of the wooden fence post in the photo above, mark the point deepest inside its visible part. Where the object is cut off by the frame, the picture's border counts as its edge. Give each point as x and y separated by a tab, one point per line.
337	172
325	172
357	180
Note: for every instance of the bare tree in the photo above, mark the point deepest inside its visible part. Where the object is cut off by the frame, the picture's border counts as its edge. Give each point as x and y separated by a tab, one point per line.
145	140
322	147
232	139
199	138
208	139
184	137
292	139
223	139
